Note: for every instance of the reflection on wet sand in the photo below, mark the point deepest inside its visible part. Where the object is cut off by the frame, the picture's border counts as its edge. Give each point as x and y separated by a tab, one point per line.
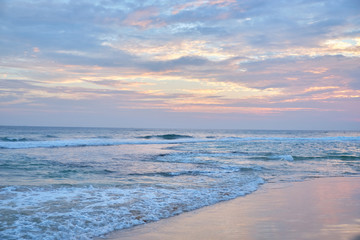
318	209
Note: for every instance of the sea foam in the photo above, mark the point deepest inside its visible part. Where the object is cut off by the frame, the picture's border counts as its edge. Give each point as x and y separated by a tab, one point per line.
83	212
159	139
66	183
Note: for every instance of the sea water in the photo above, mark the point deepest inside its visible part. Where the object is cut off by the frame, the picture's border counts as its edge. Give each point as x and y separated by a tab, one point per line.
79	183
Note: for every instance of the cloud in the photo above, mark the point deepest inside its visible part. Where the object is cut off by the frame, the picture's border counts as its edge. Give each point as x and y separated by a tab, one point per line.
103	57
18	94
176	63
203	57
143	18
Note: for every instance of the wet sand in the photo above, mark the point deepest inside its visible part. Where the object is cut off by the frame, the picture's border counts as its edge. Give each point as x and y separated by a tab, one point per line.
326	208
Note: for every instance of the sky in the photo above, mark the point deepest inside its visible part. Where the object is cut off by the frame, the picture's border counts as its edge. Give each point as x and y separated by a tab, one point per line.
240	64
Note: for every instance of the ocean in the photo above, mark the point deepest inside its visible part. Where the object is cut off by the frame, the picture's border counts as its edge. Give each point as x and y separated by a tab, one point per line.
81	183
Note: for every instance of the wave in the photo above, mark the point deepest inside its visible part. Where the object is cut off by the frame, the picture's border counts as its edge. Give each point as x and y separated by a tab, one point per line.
295	139
91	211
336	157
88	142
171	174
282	157
51	136
167	136
11	139
20	143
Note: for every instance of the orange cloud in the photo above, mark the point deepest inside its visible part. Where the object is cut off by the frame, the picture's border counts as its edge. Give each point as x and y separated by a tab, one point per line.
141	18
318	70
173	50
314	89
228	109
199	3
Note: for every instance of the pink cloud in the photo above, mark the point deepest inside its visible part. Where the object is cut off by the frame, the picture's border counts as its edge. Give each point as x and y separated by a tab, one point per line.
199	3
143	18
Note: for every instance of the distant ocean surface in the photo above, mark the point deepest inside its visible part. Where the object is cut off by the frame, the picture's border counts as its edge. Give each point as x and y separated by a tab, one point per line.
79	183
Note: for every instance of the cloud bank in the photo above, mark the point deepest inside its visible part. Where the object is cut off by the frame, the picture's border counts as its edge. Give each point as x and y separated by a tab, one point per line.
196	63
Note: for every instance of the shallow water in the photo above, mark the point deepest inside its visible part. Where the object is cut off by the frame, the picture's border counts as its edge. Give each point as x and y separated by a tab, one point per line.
78	183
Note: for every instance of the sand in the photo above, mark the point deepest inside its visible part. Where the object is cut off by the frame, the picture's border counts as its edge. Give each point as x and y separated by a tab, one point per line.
326	208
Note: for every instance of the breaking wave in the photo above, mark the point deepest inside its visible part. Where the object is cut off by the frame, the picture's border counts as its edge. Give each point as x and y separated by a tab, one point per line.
19	143
167	136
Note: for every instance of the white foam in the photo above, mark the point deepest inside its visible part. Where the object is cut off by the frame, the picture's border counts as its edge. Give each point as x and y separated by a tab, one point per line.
282	157
75	212
113	142
91	142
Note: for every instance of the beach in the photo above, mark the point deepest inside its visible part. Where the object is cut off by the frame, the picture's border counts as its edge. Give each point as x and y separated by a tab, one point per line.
320	208
83	183
186	119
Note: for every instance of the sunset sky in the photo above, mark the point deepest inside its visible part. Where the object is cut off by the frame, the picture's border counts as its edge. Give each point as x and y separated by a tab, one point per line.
244	64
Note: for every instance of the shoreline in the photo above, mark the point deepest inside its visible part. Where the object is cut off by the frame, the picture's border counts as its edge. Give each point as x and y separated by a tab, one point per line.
319	208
